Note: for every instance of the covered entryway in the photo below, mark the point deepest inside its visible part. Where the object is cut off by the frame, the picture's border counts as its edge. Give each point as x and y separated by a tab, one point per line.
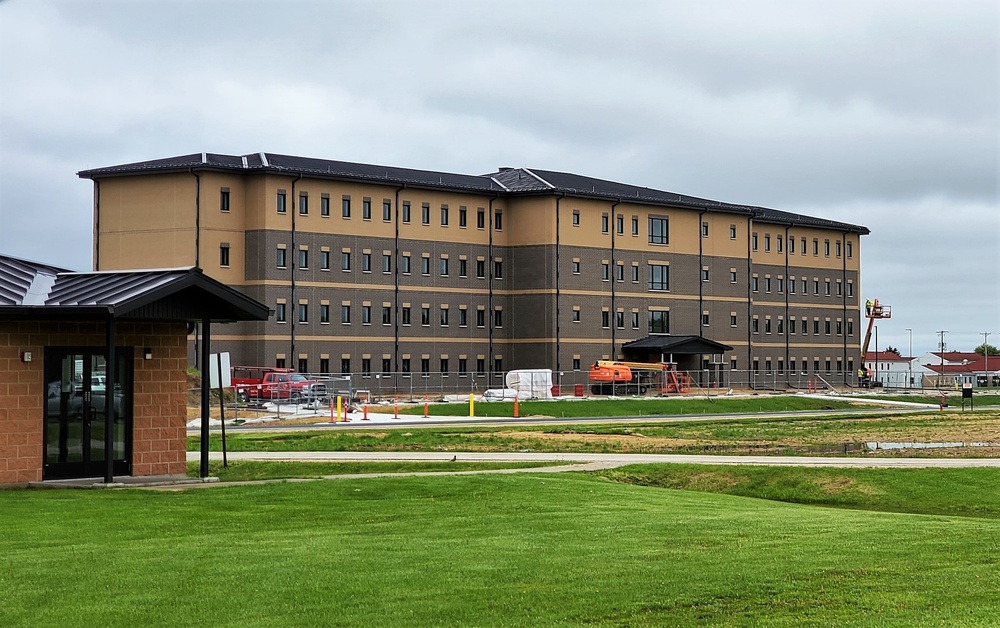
702	359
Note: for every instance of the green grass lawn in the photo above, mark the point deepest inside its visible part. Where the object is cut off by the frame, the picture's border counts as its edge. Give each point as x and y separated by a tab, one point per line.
524	550
251	470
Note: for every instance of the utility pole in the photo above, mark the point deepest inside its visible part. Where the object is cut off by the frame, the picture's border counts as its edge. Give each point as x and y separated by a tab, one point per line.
941	353
986	353
909	358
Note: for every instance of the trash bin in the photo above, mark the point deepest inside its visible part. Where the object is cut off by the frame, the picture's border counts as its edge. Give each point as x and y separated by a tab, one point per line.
555	390
578	390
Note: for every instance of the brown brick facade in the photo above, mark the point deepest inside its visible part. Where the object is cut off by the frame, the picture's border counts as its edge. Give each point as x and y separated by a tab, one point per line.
159	398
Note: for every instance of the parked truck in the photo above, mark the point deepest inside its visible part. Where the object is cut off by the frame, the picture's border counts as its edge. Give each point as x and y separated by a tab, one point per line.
259	383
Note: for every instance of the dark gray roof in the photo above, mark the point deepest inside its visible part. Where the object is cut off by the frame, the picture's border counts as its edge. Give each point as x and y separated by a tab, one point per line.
508	181
678	345
33	290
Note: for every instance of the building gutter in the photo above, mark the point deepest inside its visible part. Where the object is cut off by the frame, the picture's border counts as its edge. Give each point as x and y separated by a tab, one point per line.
843	296
197	218
560	196
751	381
490	311
788	345
292	310
613	313
701	266
395	282
97	225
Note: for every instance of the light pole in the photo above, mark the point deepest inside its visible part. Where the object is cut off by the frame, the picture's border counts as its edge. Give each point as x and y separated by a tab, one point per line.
909	358
941	353
986	354
875	382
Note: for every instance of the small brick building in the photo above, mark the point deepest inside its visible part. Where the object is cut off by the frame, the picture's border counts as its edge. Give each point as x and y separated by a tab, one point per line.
67	339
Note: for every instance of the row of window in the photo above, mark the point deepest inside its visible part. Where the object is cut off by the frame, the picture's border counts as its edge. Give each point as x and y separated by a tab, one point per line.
405	262
793	366
406	315
780	244
802	326
444	366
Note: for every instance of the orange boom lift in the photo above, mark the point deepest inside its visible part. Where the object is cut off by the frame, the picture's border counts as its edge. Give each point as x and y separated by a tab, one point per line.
873	310
621	378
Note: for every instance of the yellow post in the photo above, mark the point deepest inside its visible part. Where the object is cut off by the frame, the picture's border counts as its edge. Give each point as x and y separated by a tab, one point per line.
339	402
472	405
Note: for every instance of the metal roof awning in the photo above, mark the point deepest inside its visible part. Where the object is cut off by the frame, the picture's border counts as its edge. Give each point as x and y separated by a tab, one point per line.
676	345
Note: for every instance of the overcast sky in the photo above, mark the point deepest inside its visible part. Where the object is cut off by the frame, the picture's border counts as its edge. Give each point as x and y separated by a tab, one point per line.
879	113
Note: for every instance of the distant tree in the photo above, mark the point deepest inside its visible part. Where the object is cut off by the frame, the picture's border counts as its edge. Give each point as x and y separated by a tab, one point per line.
892	349
984	348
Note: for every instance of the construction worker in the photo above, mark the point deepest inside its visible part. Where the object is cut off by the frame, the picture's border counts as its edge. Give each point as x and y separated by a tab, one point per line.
868	307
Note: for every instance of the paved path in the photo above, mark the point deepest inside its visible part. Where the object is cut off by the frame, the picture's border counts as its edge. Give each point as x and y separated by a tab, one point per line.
580	462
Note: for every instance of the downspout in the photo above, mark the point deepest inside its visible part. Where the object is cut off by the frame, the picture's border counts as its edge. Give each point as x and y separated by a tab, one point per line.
109	401
701	265
788	346
489	311
292	310
559	198
197	218
97	225
750	301
613	269
395	282
843	297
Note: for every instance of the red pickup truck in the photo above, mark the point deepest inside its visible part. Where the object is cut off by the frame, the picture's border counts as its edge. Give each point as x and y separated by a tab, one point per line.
261	382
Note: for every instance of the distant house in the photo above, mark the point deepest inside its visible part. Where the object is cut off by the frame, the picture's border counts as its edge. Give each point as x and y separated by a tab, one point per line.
952	369
892	369
93	368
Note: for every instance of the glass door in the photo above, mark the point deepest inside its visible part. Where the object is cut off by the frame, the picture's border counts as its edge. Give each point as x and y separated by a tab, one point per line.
75	412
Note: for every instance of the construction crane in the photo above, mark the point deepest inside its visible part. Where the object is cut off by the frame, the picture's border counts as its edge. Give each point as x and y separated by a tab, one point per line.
609	377
873	310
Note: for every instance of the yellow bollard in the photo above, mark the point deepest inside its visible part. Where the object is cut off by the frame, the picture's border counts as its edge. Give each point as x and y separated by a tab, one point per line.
472	405
339	406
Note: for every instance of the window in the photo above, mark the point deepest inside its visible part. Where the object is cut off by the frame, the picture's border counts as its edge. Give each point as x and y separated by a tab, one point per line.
732	232
850	249
767	325
480	318
444	316
704	229
840	328
791	251
280	202
704	319
386	315
280	259
767	284
224	199
620	320
366	315
576	267
576	364
604	223
826	286
803	252
732	320
498	220
791	282
387	211
406	212
303	204
620	224
366	262
619	272
635	225
605	271
324	313
463	317
345	207
303	312
576	217
850	328
444	215
780	244
755	325
480	218
659	230
659	277
366	209
605	319
755	283
781	325
425	315
816	286
481	268
444	266
386	365
279	312
815	247
767	242
224	255
345	260
732	276
498	365
826	327
324	365
791	330
815	326
463	367
498	318
345	314
850	289
444	366
704	274
463	216
753	241
635	273
635	319
366	367
303	365
405	366
498	269
386	263
838	248
406	314
576	315
303	259
425	265
345	365
781	284
425	366
826	248
324	206
404	266
425	213
659	322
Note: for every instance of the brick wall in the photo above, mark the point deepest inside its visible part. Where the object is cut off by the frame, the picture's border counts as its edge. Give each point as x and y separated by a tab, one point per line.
159	398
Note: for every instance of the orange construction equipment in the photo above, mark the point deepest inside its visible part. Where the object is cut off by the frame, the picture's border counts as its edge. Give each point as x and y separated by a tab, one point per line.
621	378
873	310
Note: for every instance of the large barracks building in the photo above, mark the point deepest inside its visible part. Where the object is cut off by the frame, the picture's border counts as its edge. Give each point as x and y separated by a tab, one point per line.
381	270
